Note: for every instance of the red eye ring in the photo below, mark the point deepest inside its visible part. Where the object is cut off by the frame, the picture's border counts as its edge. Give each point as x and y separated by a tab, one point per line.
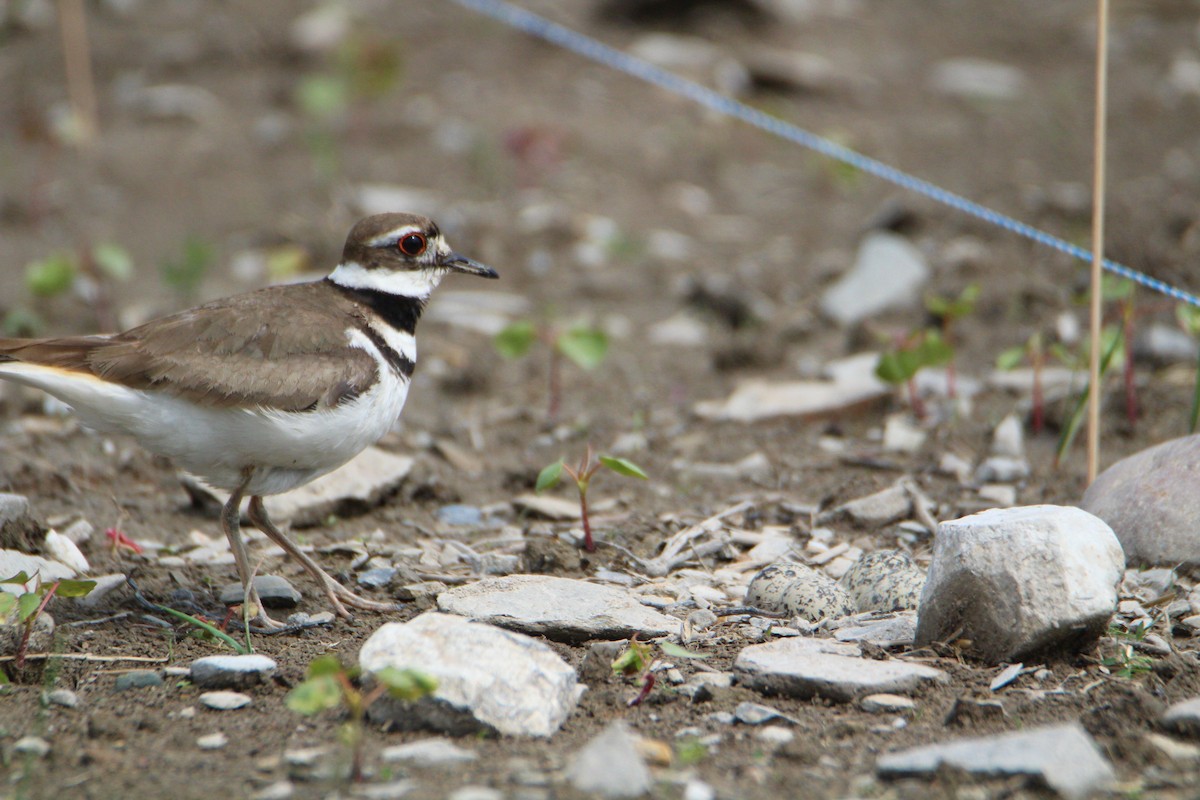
411	244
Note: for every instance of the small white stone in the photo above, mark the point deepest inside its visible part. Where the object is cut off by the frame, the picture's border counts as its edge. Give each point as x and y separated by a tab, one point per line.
34	746
212	741
774	735
224	701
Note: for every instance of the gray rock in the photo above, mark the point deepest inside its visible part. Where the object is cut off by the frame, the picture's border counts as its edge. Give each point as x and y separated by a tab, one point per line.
19	530
273	590
886	704
805	668
457	514
1184	717
376	578
1021	581
393	790
888	273
137	679
1002	469
475	793
279	790
224	700
610	765
880	508
429	753
749	713
1150	502
800	591
63	697
976	78
561	609
488	678
886	580
231	672
34	746
897	630
1063	756
1008	439
105	585
1164	344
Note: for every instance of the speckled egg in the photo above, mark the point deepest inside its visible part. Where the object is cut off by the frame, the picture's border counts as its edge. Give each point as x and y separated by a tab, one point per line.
799	591
886	580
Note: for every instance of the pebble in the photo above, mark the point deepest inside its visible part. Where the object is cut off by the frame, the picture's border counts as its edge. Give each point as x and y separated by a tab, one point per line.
376	578
1149	501
896	630
1064	756
231	672
137	678
63	697
458	514
34	746
561	609
224	700
696	789
978	79
774	735
273	590
807	668
105	585
279	790
749	713
610	765
488	678
888	273
475	793
1021	581
1002	469
393	790
212	741
1008	440
878	509
429	753
886	703
1183	717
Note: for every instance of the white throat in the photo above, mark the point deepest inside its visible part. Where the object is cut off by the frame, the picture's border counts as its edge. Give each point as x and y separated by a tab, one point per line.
416	283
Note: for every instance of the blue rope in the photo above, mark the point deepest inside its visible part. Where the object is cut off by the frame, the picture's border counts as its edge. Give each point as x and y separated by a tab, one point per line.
590	48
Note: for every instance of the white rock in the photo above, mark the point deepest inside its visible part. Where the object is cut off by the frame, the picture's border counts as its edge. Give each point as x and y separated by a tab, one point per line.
896	630
880	508
1020	581
1150	501
806	668
562	609
488	678
429	753
900	435
381	198
610	765
1063	756
224	701
1009	438
484	312
888	273
31	746
279	790
886	703
14	561
105	585
1164	344
978	79
1184	716
65	551
212	741
1002	469
775	735
475	793
682	329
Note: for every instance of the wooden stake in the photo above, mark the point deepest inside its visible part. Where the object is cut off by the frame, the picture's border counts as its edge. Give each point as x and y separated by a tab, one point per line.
1093	427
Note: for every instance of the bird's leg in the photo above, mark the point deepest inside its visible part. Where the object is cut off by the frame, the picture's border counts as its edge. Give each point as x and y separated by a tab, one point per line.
232	525
338	595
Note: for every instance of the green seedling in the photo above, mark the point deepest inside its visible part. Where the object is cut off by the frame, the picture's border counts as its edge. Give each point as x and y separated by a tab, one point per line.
582	345
900	364
329	685
56	274
1033	352
638	661
1189	318
946	311
28	605
582	475
1126	662
1111	341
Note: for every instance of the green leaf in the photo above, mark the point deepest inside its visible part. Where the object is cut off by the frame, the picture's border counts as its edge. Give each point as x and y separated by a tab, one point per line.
27	605
20	578
1189	317
1116	288
933	350
183	274
70	588
675	651
51	276
549	476
315	695
516	339
406	684
623	466
7	603
896	366
324	665
584	346
1010	358
630	662
113	260
322	96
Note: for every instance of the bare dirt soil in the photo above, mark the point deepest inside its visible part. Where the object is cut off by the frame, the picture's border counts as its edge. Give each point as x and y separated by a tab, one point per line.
503	131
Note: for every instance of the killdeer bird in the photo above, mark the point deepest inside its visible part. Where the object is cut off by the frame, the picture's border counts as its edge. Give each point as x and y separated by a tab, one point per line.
263	392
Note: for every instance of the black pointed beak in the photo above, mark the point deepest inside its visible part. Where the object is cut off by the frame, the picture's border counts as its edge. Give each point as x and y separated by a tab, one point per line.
471	267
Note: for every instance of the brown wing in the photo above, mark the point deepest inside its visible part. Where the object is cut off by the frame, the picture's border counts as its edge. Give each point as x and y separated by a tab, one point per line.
283	347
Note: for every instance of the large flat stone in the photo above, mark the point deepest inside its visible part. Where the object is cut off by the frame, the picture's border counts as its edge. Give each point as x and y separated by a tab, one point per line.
561	609
1064	757
804	668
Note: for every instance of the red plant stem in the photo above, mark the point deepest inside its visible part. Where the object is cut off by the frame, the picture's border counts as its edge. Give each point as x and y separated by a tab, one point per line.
647	685
554	390
1039	400
914	399
23	647
588	543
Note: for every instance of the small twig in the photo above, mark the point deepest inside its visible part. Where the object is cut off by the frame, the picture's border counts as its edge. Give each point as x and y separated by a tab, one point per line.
78	58
100	621
87	657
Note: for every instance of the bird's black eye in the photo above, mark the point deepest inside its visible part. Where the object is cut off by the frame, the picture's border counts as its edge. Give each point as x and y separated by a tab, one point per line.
411	244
